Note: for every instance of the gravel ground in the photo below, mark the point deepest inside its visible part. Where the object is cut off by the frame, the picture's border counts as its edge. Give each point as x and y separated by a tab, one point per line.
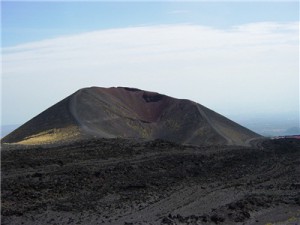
117	181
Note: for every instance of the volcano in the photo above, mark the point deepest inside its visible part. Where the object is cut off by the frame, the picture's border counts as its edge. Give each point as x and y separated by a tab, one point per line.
129	113
117	156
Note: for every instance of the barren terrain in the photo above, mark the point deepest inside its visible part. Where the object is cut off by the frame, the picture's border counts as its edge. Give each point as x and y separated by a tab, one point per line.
122	181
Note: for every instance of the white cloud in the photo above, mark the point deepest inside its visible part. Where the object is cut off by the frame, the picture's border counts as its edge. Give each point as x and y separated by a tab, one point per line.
179	12
246	68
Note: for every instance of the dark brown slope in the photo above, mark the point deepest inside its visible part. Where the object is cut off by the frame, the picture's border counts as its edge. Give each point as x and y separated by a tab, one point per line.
129	113
52	125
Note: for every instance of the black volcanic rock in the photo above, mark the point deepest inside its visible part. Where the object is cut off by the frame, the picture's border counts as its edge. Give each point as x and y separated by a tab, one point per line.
122	181
129	113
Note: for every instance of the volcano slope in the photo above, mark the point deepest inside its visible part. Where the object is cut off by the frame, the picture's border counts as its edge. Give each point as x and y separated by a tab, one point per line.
129	113
122	181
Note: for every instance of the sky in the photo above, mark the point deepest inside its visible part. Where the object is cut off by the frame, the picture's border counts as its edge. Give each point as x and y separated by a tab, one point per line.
237	58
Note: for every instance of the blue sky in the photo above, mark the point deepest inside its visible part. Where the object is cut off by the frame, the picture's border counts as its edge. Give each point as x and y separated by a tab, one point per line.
237	58
31	21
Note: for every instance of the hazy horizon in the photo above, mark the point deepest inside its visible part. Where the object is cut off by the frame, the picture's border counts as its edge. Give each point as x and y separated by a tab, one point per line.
239	59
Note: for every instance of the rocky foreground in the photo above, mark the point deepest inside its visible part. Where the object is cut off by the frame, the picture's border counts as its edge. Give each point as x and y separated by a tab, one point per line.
117	181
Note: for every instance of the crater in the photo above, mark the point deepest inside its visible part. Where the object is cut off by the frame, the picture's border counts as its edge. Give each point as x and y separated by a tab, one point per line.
152	97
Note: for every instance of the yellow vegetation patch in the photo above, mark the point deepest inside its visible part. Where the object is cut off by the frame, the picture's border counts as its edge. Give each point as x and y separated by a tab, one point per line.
51	136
